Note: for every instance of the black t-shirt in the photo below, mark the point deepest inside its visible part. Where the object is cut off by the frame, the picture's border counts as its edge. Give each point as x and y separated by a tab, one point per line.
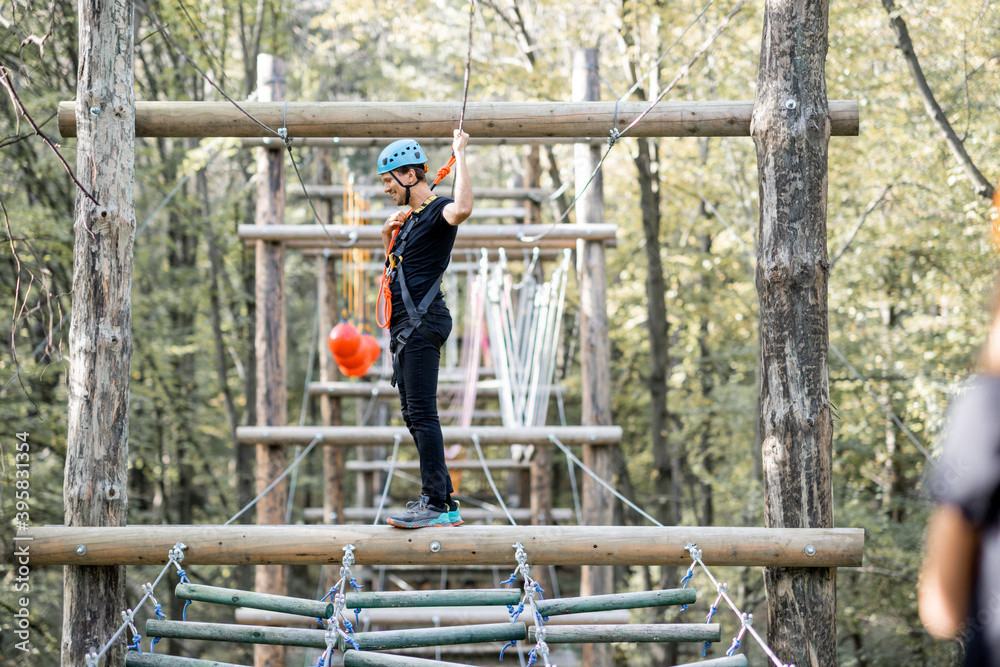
968	478
426	255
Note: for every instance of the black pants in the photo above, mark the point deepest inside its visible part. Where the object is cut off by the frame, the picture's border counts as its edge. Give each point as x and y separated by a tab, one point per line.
416	367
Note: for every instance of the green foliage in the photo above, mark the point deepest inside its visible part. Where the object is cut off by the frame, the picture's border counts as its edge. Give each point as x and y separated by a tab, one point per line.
913	260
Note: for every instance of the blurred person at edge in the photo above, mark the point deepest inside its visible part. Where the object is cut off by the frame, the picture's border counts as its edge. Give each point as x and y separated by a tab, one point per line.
959	589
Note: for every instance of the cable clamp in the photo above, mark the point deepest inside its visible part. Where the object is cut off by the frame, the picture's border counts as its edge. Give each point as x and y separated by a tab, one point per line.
614	136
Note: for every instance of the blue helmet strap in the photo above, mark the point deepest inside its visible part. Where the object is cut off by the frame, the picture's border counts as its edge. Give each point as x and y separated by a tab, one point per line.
407	200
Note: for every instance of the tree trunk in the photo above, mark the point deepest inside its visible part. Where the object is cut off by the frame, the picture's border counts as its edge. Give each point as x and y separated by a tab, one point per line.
791	130
100	337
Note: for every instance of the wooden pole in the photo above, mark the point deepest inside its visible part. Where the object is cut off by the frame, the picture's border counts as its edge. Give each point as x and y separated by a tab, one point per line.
237	598
472	545
133	659
532	175
350	436
329	404
637	632
271	338
595	346
469	236
482	119
635	600
100	336
560	515
367	641
432	616
791	130
362	659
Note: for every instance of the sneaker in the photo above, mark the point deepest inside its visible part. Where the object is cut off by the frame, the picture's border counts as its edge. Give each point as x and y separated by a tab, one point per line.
453	515
420	514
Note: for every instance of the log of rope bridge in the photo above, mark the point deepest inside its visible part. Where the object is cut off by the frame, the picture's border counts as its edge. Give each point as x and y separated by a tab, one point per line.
738	660
637	632
336	192
470	545
134	659
362	659
431	616
469	236
482	119
351	436
355	600
635	600
382	142
367	641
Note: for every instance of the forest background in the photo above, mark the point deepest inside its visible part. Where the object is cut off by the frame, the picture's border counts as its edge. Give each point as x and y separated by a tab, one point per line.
912	262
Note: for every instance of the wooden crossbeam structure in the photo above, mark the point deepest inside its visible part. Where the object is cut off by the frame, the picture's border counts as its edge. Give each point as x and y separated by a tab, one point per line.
336	192
482	119
350	436
453	464
483	545
469	236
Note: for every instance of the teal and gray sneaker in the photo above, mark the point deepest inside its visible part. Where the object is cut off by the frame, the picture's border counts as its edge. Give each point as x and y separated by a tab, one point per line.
421	514
453	515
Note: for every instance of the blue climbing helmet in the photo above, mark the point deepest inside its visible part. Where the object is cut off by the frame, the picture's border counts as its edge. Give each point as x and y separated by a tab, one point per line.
402	153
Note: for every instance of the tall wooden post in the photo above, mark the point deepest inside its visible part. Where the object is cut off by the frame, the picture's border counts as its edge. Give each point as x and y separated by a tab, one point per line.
100	336
326	299
272	394
595	347
791	130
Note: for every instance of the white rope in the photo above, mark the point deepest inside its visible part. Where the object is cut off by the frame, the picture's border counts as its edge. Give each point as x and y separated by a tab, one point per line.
746	620
489	478
174	556
600	481
388	477
277	479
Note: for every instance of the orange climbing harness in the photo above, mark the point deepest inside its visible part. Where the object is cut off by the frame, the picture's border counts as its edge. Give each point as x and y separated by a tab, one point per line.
383	311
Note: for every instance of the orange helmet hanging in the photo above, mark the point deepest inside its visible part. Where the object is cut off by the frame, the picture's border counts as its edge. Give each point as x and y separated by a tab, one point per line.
344	340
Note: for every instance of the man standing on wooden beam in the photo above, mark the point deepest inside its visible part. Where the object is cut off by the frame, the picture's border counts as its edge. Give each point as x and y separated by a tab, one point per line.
415	311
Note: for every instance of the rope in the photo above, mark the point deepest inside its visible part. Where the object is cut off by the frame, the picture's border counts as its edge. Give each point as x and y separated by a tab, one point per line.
600	481
489	478
888	410
174	557
468	65
746	620
615	134
388	478
298	459
531	589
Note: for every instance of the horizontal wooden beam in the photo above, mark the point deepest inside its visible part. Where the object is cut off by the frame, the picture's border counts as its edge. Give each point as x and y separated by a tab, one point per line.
432	616
469	236
514	255
520	514
382	142
484	545
134	659
350	436
371	659
482	119
336	193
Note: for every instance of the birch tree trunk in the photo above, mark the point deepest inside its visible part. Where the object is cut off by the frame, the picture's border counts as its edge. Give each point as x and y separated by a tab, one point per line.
100	337
791	130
